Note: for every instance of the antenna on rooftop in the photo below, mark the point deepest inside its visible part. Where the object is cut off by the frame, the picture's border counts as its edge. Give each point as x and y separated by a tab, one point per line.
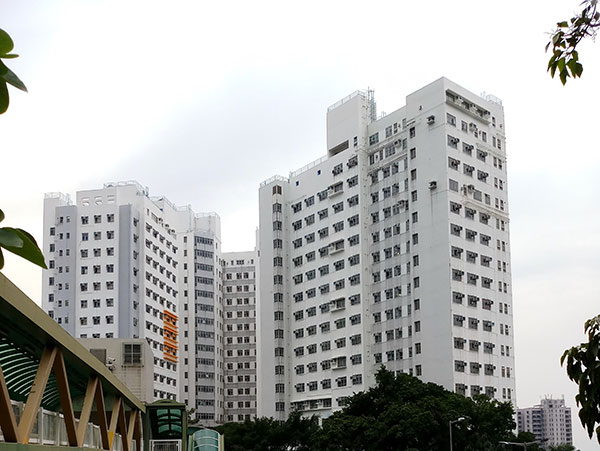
372	104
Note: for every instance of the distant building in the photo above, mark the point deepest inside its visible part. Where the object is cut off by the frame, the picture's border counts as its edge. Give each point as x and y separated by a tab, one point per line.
549	421
131	360
239	292
122	264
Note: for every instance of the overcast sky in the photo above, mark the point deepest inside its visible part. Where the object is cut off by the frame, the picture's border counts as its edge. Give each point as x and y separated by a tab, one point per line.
201	101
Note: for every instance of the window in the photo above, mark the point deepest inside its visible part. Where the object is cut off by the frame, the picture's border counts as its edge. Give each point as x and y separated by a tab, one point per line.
453	142
374	139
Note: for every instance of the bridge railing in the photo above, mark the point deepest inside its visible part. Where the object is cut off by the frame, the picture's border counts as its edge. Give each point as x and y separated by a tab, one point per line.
49	429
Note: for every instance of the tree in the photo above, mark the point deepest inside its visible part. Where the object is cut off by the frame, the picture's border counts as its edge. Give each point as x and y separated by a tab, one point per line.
523	437
403	413
583	368
296	433
567	36
6	75
17	241
21	243
564	447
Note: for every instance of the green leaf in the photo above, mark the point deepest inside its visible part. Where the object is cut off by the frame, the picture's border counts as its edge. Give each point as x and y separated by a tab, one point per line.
563	77
28	250
563	24
3	97
9	56
1	259
10	77
9	238
6	43
2	216
571	65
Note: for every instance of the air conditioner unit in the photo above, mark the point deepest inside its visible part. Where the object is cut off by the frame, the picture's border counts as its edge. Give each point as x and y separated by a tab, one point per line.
431	119
433	184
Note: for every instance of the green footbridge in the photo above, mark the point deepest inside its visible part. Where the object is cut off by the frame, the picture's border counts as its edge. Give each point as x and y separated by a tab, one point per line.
54	394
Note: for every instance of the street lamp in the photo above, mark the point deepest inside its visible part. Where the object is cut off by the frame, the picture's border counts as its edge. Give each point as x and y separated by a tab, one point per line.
450	423
524	445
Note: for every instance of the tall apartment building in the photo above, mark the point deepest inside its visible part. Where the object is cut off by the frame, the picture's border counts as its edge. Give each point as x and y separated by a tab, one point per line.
550	422
202	310
392	249
122	264
239	292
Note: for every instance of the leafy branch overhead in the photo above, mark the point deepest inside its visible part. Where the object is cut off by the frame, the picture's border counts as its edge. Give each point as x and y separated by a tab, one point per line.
7	76
566	38
583	368
21	243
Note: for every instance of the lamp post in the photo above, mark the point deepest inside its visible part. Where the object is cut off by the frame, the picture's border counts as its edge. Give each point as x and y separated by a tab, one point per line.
450	423
524	445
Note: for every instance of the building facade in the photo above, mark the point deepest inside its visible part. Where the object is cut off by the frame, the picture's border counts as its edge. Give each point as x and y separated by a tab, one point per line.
239	292
131	360
393	249
120	266
202	326
550	422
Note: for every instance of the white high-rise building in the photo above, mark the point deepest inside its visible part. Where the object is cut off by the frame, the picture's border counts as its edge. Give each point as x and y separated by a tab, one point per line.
550	422
202	311
239	292
124	265
393	249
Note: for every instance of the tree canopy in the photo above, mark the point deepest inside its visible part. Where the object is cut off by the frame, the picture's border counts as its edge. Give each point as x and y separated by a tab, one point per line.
567	36
296	433
564	447
398	413
402	413
583	368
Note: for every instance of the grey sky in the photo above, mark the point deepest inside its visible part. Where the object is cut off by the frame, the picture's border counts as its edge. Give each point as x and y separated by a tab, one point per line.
201	101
